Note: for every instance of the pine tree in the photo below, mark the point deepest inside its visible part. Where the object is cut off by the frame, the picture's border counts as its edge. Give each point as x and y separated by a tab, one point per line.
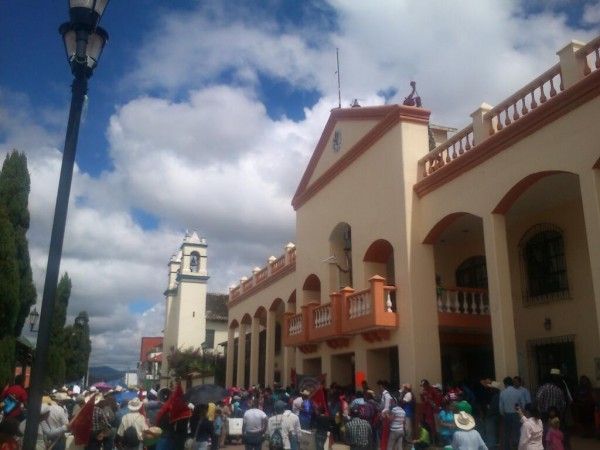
14	195
56	373
79	347
9	297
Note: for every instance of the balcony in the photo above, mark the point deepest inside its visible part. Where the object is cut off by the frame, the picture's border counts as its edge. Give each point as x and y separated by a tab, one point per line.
367	312
463	308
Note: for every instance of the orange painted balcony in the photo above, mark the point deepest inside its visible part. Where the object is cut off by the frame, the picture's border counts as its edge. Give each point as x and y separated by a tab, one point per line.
463	307
368	312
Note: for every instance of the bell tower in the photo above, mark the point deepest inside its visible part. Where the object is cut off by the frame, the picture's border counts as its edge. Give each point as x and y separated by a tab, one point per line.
185	312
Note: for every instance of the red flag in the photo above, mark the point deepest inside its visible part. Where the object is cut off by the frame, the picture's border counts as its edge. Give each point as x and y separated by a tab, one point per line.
175	406
319	400
81	424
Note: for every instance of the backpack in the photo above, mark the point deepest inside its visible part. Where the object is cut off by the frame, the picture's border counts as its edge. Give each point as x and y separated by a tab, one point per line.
276	439
130	437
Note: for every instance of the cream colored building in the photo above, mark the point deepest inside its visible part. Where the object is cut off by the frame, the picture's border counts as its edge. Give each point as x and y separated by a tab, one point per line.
477	258
193	317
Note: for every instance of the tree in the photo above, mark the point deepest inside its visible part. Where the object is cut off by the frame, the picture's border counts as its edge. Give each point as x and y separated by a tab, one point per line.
78	348
56	370
14	196
9	297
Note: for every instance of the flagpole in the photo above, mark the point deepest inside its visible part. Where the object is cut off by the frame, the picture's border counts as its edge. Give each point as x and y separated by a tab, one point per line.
337	55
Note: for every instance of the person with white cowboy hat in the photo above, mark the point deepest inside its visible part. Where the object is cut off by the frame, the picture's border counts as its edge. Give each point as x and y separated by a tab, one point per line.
133	420
466	437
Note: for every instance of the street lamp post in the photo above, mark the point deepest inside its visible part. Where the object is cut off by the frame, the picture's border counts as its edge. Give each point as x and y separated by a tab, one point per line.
84	42
203	346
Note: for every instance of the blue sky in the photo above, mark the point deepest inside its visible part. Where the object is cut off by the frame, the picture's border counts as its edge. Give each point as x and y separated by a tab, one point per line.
203	114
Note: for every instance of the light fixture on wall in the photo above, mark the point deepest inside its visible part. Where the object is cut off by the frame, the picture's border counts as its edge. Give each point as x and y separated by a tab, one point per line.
547	324
334	260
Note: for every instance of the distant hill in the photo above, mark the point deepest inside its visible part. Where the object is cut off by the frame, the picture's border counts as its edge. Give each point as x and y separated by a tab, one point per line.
104	373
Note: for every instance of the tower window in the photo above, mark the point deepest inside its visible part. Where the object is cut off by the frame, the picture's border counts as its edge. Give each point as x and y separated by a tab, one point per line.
194	259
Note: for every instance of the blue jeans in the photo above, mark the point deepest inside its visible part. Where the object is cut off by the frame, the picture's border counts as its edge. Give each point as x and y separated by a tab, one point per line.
294	444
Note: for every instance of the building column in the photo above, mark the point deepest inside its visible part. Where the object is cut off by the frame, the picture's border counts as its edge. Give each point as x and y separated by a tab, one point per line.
590	198
230	353
241	362
501	307
289	362
270	348
254	350
361	365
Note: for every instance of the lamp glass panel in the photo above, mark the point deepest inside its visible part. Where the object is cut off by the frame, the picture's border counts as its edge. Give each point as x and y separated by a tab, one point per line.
95	45
96	5
70	43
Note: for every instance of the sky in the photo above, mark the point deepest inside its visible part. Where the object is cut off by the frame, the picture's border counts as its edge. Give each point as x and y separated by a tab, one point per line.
202	115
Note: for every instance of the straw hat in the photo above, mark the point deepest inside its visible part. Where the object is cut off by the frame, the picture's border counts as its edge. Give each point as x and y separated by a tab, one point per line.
134	404
464	421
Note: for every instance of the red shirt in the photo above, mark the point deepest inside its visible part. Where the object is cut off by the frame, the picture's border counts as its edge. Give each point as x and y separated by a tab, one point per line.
19	394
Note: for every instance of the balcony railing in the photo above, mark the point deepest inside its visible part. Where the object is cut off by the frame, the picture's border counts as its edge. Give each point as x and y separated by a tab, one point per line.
348	313
463	307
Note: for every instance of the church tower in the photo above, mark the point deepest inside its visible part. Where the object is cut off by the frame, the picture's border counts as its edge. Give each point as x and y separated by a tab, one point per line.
185	314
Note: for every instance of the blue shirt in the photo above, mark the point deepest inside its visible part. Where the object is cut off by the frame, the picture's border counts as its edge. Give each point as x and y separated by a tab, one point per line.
508	398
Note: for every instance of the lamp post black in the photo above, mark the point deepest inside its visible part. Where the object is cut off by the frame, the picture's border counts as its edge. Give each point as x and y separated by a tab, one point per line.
84	42
203	346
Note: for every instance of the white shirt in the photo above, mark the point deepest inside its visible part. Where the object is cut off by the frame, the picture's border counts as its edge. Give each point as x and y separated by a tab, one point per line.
277	422
253	420
291	425
136	420
296	404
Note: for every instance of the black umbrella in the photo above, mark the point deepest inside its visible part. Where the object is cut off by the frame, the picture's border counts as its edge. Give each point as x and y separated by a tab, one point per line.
205	394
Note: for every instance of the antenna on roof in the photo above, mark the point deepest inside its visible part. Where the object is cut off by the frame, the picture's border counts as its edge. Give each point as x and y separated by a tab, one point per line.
337	55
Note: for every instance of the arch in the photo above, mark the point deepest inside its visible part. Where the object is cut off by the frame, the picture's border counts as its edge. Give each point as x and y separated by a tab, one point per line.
246	320
260	312
234	324
312	283
379	251
194	261
518	189
292	297
276	304
439	227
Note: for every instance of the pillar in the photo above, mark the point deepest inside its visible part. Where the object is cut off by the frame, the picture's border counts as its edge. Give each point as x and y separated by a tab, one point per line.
254	350
230	353
241	362
501	307
270	348
590	197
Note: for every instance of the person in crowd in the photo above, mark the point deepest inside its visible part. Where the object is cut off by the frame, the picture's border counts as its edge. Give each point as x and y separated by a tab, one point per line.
407	401
9	432
518	385
52	434
424	439
550	394
306	410
59	418
490	412
358	432
225	414
296	403
461	404
101	427
532	429
585	404
431	403
277	422
79	402
201	427
466	436
446	425
217	429
254	426
324	424
291	426
17	396
509	399
397	419
133	420
554	438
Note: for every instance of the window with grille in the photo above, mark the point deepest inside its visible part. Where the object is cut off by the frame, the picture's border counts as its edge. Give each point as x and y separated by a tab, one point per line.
543	267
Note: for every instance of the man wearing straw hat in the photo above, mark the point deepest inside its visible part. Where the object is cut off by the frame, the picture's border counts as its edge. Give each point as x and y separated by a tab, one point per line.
466	437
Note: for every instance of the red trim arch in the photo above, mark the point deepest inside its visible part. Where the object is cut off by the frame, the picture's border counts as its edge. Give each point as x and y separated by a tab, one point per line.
518	189
437	229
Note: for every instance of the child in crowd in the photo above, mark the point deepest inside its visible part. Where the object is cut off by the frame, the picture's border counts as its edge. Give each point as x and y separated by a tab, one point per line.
554	437
217	429
424	440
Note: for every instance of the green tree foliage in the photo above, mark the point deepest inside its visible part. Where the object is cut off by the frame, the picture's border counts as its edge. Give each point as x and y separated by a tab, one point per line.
56	370
183	362
14	196
78	347
9	297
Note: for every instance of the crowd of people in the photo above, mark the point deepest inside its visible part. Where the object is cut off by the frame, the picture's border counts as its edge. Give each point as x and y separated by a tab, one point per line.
488	415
